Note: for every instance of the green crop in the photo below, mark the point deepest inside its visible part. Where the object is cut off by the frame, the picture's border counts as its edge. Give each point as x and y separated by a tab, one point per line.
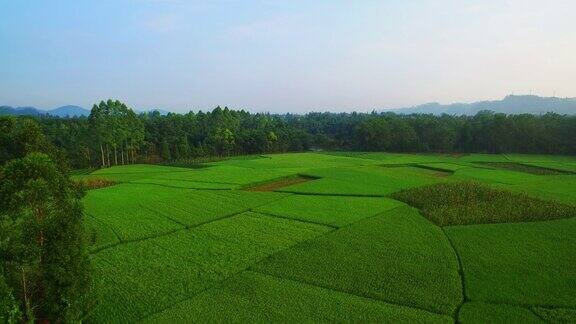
397	257
520	263
471	203
329	210
496	313
254	297
154	274
171	244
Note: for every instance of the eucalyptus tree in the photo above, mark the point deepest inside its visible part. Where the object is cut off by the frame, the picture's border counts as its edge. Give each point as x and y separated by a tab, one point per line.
45	267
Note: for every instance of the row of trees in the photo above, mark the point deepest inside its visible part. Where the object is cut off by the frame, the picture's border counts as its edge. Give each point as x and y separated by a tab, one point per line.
45	269
114	134
114	125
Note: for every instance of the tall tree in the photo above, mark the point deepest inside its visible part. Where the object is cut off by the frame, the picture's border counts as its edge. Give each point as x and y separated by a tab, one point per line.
45	263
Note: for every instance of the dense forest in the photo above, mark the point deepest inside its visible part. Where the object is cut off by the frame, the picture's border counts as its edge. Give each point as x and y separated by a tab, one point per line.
113	134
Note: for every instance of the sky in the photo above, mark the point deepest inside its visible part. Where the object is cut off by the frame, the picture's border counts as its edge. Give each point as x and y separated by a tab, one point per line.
283	56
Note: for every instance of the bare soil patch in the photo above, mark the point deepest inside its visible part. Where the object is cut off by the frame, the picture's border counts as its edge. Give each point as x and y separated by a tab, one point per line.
279	183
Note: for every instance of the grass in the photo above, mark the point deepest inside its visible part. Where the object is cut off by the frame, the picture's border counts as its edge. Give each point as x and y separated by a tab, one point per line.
251	297
329	210
522	263
379	258
467	203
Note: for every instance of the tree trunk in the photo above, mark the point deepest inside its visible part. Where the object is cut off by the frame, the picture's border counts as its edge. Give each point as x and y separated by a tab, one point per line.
102	152
115	156
28	308
122	155
108	154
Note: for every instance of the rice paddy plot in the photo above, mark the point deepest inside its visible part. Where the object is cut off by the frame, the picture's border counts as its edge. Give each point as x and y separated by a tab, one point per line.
330	210
98	234
136	211
251	297
481	313
527	168
569	167
277	184
299	162
528	264
471	203
523	158
494	176
397	158
558	188
365	181
162	271
556	315
188	184
225	174
380	258
442	166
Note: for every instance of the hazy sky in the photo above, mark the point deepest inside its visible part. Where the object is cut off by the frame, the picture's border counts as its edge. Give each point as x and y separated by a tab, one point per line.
283	56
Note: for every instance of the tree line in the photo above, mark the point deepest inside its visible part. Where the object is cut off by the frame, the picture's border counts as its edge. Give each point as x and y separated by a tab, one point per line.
113	134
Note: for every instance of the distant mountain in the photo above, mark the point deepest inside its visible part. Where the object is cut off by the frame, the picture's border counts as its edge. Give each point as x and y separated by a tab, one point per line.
19	111
64	111
69	111
509	105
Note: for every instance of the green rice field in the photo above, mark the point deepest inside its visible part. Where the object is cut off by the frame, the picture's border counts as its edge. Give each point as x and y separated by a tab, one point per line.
336	237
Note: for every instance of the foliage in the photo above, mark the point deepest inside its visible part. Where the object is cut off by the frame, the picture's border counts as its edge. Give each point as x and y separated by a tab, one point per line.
21	136
465	203
9	309
115	125
44	260
151	137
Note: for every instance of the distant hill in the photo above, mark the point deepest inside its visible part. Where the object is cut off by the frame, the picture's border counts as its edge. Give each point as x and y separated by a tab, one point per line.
69	111
509	105
64	111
